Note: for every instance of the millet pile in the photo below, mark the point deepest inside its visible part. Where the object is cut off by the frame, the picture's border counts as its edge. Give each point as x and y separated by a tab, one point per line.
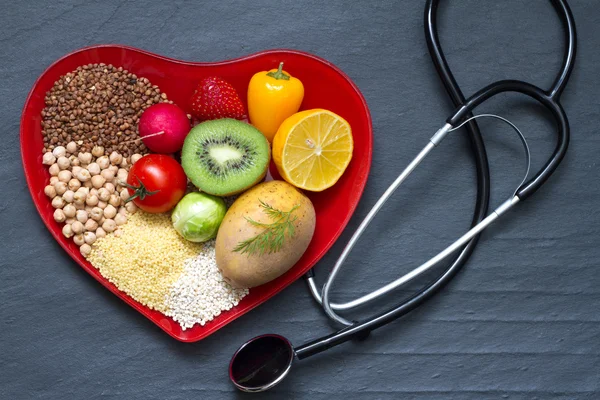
145	260
98	105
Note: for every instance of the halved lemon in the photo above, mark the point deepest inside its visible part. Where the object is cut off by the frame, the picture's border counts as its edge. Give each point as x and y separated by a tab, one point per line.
312	149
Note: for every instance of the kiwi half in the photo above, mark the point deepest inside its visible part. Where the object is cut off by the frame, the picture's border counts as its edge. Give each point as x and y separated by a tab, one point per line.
225	156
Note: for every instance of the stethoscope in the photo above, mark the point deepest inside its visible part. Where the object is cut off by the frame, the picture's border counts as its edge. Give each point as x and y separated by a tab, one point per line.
262	362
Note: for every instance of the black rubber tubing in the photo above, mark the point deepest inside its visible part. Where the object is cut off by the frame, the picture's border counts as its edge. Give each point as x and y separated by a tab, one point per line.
360	329
549	99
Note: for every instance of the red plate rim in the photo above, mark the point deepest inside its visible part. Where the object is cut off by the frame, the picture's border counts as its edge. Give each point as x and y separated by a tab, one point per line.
134	304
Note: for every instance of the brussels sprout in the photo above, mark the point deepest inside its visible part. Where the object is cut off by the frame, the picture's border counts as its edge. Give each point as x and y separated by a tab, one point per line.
197	216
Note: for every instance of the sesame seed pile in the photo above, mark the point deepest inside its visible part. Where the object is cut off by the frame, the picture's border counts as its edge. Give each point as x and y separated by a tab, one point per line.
145	260
201	294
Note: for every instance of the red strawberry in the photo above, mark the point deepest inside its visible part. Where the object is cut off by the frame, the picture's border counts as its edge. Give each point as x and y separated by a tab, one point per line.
215	98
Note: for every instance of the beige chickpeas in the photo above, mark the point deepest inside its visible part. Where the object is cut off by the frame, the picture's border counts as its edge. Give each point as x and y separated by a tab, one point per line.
85	158
60	187
109	225
120	219
74	184
103	162
48	158
122	176
108	175
67	231
79	196
68	196
54	169
77	227
50	191
103	194
100	233
72	147
63	163
59	151
70	211
98	151
85	249
114	200
90	225
124	194
135	158
89	237
115	158
59	215
78	238
98	181
64	176
82	216
131	207
83	175
110	211
96	213
93	168
58	202
92	200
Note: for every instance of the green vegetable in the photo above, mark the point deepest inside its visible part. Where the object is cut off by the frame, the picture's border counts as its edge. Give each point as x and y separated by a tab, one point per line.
197	216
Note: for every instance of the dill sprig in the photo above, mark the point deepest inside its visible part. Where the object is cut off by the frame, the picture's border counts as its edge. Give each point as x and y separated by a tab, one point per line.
271	239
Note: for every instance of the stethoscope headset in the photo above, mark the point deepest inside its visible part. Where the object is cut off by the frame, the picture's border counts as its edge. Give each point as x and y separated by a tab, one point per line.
264	361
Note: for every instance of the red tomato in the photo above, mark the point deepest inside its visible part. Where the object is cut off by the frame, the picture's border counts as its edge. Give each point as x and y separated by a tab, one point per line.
157	183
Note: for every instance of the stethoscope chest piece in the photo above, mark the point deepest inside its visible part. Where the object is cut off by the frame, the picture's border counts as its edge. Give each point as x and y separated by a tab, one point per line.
261	363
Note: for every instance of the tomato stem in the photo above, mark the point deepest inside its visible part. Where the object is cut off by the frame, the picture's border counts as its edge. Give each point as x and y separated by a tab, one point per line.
139	191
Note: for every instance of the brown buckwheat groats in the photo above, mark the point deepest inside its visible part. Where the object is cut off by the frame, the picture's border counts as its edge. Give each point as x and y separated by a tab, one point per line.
98	105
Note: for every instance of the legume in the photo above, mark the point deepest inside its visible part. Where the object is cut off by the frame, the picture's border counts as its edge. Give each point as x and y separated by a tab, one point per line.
97	105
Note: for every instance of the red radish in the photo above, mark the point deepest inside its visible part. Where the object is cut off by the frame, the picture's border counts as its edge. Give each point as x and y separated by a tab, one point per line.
163	128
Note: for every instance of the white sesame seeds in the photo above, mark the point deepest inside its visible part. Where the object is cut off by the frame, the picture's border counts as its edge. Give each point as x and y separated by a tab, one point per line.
200	293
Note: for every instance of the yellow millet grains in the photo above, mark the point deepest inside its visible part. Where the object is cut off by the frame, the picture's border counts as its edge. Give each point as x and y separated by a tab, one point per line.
145	260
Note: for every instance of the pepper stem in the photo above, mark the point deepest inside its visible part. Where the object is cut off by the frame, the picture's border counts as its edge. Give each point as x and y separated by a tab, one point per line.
279	74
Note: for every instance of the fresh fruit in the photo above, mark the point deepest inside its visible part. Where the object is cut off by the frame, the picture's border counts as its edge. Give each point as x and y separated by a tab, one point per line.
163	128
312	149
225	157
156	183
198	215
264	233
215	98
272	97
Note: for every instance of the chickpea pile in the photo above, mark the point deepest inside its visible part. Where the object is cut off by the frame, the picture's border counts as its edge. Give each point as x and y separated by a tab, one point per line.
87	192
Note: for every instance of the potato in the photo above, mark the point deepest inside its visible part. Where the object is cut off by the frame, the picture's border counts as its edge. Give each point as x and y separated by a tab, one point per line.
253	268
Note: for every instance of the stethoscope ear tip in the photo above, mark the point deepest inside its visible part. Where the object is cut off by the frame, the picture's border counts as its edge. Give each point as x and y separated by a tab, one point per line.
261	363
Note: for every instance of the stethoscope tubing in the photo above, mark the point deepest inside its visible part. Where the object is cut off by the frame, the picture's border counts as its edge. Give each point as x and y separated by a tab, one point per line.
549	99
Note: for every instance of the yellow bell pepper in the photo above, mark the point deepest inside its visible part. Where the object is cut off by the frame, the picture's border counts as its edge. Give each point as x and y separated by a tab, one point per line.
272	97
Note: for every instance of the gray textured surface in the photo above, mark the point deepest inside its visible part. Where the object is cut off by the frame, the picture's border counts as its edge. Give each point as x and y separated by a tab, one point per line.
520	322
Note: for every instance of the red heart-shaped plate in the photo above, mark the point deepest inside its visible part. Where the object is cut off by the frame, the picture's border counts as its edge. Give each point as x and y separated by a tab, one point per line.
325	87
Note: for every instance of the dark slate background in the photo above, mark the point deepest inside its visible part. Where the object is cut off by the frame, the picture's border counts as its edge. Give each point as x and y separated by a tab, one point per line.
520	322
